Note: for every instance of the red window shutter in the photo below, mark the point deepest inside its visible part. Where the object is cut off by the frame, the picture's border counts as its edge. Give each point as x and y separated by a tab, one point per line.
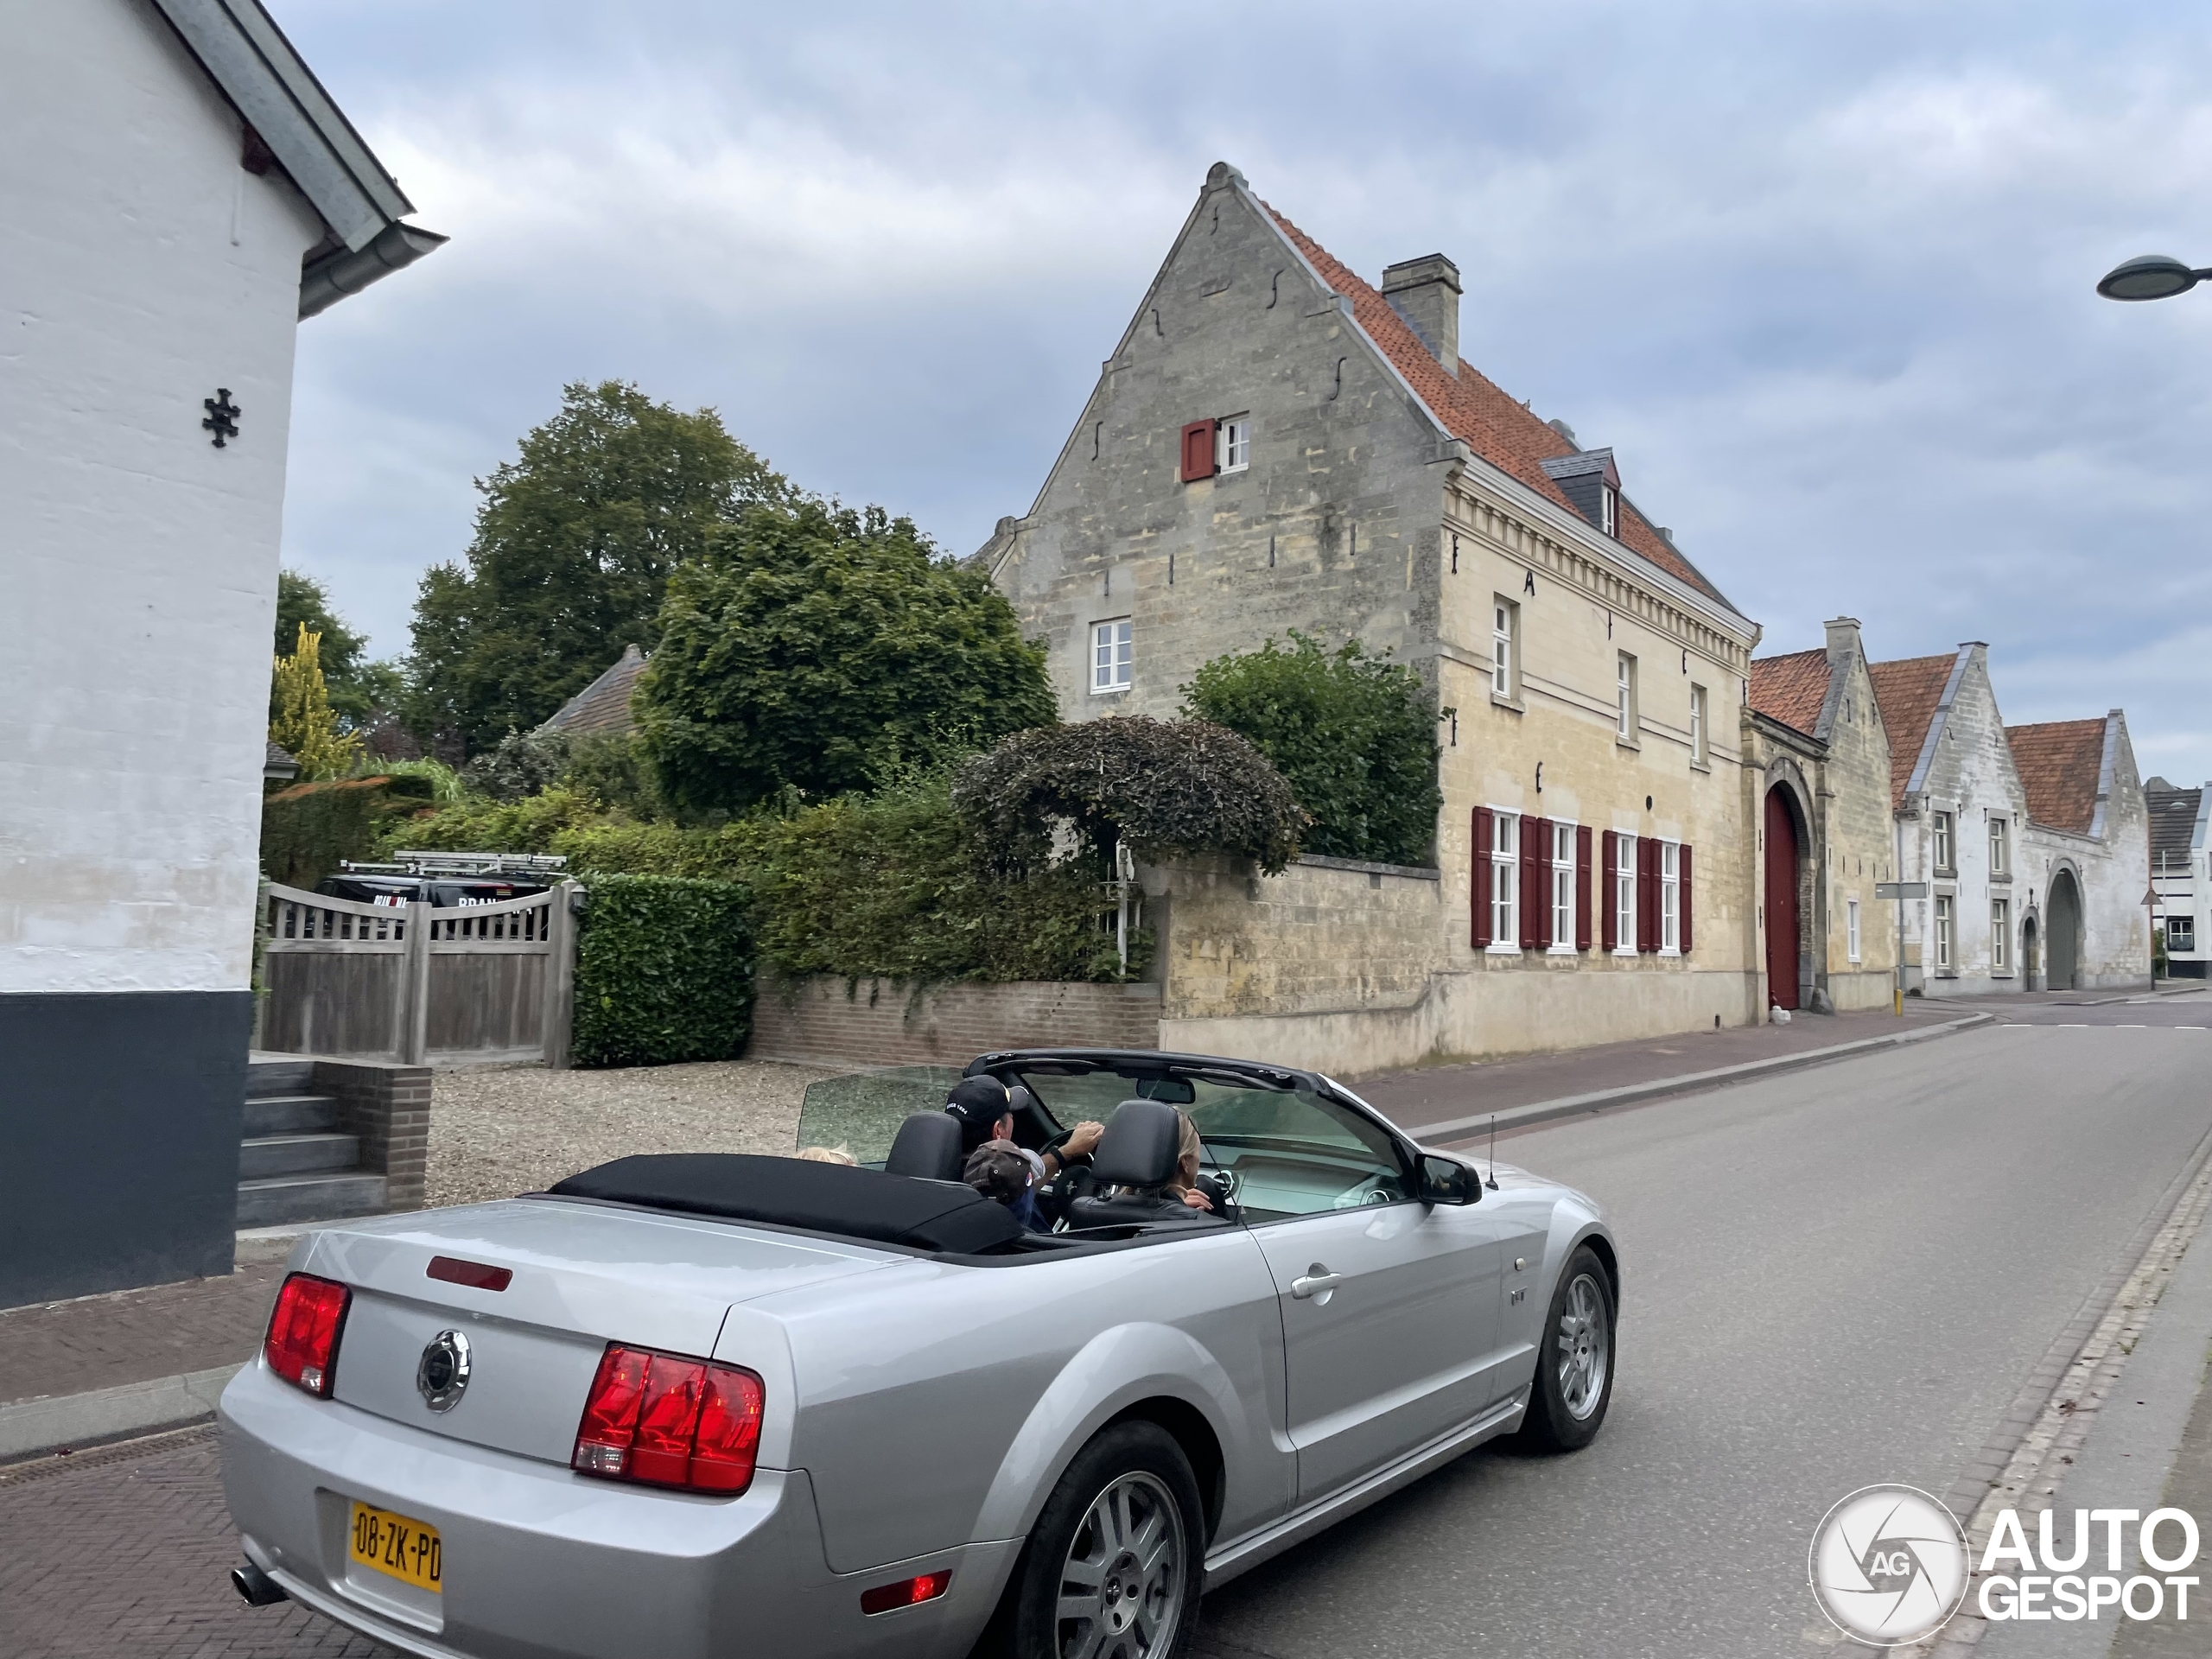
1608	912
1685	866
1478	934
1582	887
1535	890
1197	450
1647	894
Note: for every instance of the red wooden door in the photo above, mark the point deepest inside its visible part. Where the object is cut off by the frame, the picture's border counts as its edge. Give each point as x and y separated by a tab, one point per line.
1780	902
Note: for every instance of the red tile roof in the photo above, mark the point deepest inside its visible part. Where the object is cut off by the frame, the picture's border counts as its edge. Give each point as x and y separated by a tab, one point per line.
1907	692
1502	431
2058	763
1792	689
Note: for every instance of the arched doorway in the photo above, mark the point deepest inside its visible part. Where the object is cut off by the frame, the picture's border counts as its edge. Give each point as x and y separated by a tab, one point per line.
1784	946
2030	955
2063	933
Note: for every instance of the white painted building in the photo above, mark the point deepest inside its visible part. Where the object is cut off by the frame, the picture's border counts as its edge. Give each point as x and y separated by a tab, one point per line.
179	192
2181	875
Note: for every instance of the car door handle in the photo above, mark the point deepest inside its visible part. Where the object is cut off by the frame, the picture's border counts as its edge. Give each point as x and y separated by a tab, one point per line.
1317	1280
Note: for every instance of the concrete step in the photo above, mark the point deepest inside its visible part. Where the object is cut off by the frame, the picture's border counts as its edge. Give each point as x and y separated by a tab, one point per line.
297	1155
289	1114
264	1077
309	1197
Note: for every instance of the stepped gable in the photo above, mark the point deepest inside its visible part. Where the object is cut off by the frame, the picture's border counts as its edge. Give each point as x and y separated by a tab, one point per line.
1907	691
1792	689
1473	409
604	705
2058	763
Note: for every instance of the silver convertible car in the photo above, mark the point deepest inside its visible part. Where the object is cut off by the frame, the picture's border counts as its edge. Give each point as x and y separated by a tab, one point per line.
717	1404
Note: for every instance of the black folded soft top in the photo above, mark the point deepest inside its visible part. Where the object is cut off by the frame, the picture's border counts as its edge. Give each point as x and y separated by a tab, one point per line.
834	1199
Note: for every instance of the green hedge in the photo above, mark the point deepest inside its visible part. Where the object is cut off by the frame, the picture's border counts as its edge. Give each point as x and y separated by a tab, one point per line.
307	828
663	971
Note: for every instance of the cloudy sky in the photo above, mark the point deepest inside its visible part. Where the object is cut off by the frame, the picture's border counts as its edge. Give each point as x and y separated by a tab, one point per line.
1822	274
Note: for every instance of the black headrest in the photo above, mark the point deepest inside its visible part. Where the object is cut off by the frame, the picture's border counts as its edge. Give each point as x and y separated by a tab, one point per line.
927	1145
1140	1145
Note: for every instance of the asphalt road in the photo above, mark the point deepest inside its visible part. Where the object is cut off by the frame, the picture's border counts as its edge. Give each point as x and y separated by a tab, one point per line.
1839	1277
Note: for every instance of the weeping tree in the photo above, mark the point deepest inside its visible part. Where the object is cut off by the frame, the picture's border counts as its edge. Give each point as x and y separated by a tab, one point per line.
1163	787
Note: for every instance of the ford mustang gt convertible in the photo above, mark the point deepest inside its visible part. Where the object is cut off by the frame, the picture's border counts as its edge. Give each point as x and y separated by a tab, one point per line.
706	1404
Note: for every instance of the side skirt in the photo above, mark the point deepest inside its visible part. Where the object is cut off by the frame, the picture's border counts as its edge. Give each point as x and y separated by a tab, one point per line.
1242	1555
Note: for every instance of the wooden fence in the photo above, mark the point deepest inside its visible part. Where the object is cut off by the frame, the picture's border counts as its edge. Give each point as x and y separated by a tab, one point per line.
416	984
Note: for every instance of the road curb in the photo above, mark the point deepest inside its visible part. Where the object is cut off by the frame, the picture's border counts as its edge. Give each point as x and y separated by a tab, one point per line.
1688	1083
32	1427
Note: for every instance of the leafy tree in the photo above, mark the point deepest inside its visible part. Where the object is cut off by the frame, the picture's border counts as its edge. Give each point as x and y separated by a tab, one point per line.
358	690
824	648
1355	734
521	763
574	542
303	724
1165	786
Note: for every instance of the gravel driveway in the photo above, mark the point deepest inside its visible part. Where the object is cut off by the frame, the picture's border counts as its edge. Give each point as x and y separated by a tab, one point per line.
498	1131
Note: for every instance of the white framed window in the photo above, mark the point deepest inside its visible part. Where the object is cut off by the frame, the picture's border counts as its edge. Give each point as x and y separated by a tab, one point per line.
1622	879
1563	862
1943	933
1504	628
2181	932
1851	929
1624	697
1943	842
1110	655
1697	725
1609	510
2000	936
1232	444
2000	848
1670	899
1504	881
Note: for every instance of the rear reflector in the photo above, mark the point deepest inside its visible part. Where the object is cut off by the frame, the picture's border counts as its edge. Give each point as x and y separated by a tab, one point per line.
302	1342
668	1421
476	1275
884	1597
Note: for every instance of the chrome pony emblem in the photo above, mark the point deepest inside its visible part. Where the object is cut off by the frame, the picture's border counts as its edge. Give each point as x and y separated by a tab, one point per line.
443	1373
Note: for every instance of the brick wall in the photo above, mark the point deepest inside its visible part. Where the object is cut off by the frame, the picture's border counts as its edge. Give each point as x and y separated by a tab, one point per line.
884	1022
388	1106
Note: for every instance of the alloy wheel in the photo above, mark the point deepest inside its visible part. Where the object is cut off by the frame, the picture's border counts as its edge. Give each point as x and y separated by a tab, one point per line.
1121	1593
1585	1348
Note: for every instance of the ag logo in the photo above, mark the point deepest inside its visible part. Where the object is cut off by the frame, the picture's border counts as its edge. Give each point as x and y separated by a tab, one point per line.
442	1372
1889	1565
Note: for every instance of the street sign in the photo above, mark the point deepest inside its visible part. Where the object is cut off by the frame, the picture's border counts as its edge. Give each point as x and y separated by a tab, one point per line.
1900	889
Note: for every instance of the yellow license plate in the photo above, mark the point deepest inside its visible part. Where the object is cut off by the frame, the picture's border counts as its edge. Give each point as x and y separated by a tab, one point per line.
399	1546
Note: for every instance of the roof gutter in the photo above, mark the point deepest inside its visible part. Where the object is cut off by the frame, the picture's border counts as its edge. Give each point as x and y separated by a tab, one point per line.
339	273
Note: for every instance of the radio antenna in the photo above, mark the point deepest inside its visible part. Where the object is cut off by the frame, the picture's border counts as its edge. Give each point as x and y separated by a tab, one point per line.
1492	1182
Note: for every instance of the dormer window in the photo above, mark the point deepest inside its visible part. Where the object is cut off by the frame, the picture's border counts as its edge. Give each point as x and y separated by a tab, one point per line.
1609	510
1591	486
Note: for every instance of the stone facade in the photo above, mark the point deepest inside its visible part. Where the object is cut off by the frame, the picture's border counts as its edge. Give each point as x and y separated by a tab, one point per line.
1814	736
1276	444
889	1022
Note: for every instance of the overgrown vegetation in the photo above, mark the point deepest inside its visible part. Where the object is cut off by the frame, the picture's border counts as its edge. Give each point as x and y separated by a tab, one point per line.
1354	733
307	828
664	972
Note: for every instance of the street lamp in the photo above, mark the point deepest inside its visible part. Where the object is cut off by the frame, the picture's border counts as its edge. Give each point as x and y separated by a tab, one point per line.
2152	276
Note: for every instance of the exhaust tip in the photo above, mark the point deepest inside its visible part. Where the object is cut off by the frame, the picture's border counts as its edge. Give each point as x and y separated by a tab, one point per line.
256	1587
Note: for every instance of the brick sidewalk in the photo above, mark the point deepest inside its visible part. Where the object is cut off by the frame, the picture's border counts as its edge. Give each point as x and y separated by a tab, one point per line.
1433	1094
135	1335
126	1553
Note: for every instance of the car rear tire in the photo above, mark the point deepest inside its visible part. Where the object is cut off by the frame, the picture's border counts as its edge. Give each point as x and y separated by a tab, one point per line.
1115	1564
1574	1385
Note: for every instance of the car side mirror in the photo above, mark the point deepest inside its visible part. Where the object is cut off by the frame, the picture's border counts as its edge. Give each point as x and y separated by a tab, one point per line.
1446	1180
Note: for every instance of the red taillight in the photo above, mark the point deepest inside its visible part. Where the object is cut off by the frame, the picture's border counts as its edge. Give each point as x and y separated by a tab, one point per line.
476	1275
302	1343
670	1421
906	1592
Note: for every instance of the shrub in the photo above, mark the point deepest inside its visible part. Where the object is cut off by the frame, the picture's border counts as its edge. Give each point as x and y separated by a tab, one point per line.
663	971
1355	734
519	765
1164	786
307	828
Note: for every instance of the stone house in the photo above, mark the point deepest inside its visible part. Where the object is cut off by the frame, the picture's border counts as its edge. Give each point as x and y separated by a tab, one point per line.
2033	840
1817	782
2181	875
180	193
1275	444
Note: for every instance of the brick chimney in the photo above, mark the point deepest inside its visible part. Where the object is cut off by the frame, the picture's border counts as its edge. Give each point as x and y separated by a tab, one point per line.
1426	293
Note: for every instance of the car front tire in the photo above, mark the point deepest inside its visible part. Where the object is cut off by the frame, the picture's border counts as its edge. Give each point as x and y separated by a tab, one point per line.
1115	1564
1574	1385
